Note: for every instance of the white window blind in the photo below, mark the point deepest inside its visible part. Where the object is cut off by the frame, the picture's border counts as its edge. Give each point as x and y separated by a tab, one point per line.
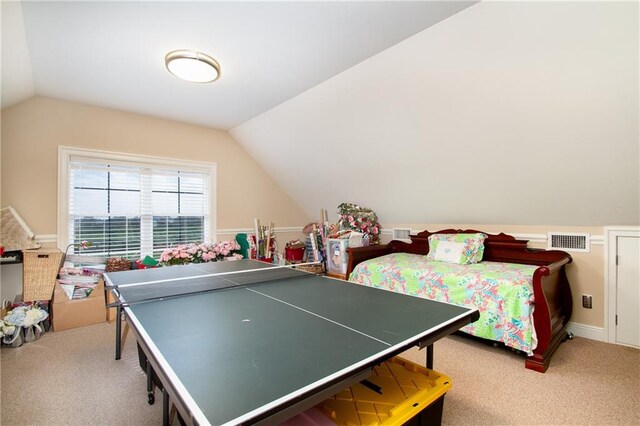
133	210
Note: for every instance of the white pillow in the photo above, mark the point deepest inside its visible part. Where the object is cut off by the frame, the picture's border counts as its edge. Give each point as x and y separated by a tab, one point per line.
473	246
448	251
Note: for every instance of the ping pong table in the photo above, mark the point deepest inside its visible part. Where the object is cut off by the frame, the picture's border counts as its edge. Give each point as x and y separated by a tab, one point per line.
244	342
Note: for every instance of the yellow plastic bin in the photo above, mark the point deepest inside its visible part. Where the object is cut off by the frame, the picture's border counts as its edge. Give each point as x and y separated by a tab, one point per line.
398	392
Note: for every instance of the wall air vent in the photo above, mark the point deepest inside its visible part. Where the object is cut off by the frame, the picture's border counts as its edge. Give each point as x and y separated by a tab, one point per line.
401	234
568	241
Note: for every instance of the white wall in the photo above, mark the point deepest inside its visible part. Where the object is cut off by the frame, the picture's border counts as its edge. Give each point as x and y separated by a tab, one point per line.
506	113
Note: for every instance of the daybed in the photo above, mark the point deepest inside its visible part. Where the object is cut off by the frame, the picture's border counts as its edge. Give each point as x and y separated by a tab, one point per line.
524	301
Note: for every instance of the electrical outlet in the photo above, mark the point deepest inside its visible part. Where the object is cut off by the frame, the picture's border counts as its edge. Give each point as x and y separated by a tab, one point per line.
587	301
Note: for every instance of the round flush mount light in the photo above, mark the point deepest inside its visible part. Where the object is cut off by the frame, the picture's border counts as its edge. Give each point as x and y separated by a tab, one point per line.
192	66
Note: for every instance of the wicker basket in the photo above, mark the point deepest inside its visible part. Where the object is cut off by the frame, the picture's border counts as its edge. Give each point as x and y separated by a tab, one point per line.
115	264
40	271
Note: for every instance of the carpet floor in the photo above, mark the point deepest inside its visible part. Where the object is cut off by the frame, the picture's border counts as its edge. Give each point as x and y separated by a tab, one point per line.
71	378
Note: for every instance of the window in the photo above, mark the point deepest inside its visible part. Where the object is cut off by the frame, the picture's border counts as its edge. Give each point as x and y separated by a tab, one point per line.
133	206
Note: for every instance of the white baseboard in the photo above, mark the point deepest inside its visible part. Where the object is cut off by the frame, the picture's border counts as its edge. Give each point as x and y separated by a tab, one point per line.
587	331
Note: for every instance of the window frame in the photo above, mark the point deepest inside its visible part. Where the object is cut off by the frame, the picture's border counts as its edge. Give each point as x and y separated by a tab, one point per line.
65	154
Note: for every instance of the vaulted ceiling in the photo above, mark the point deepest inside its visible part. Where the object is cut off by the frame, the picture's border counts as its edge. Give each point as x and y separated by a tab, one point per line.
428	112
111	54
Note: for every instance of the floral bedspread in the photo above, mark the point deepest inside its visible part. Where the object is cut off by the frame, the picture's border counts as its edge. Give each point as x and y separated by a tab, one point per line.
502	292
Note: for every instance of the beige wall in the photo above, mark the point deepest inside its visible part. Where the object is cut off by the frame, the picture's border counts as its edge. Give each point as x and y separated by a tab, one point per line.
33	130
585	273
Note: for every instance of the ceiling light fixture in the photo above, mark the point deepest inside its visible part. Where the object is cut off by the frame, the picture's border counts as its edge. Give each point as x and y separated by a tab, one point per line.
192	66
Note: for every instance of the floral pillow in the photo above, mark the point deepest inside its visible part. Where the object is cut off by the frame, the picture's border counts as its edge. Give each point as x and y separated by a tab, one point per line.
456	248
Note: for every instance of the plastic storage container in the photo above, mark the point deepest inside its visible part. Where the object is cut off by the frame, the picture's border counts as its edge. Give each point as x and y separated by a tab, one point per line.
398	392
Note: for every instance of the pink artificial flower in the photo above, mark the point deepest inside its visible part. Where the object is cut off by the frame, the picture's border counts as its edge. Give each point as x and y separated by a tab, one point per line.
208	256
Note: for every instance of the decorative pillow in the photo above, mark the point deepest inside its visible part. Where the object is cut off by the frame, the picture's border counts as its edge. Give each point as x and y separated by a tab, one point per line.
456	248
448	251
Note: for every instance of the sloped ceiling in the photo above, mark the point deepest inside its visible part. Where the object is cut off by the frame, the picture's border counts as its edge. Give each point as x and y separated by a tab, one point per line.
17	77
506	113
111	54
502	113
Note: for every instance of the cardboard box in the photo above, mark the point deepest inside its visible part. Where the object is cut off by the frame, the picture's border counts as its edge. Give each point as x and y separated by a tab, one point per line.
66	313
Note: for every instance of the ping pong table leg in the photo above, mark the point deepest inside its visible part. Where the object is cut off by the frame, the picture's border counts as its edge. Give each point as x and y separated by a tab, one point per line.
118	330
165	407
150	396
430	357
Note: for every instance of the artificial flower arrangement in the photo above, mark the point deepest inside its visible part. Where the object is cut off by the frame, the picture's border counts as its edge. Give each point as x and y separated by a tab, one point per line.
29	318
199	253
359	219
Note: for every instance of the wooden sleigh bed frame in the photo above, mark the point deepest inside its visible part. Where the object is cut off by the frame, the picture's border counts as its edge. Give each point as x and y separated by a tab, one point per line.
553	303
